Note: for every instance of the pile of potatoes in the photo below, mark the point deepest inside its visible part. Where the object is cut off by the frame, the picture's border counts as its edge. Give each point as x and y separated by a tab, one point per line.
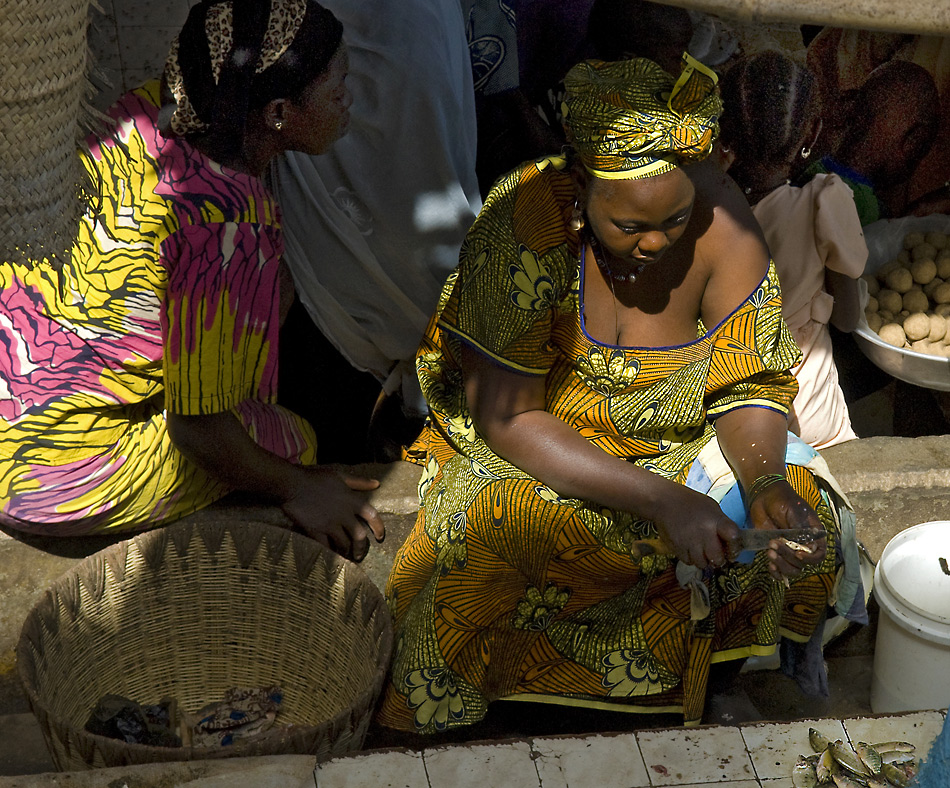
909	296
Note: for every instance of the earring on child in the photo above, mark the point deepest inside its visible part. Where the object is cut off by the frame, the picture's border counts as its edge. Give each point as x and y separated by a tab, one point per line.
806	152
576	222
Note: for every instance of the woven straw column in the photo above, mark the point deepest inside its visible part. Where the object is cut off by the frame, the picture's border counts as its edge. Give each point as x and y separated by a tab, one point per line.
43	88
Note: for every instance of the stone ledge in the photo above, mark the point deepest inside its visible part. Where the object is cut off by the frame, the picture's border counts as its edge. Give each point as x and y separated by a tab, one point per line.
885	463
267	771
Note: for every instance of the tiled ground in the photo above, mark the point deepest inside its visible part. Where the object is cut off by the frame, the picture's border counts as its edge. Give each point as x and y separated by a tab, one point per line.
748	756
756	755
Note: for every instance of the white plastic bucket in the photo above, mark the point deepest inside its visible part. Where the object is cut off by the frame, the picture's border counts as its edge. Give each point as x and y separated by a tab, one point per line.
912	651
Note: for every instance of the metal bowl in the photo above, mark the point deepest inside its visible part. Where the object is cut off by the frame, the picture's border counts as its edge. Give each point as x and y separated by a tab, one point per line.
885	240
920	369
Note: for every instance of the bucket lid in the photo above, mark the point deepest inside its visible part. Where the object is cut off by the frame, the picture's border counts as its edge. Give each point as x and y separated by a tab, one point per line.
915	570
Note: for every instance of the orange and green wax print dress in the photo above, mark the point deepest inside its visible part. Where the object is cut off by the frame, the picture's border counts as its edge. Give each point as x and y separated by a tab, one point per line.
169	303
504	589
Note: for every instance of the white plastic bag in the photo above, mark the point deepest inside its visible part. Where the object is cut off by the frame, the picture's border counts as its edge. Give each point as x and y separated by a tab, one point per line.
885	238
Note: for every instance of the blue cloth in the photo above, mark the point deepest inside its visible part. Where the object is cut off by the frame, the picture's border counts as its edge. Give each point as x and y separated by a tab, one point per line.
733	506
935	769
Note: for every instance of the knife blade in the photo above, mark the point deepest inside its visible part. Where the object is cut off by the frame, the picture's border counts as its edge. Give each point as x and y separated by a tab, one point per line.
759	538
749	539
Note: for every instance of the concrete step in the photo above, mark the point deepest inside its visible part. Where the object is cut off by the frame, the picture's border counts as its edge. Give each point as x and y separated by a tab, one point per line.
272	771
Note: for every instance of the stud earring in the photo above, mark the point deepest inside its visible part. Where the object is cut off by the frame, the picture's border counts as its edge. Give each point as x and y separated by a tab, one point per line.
278	125
576	222
806	152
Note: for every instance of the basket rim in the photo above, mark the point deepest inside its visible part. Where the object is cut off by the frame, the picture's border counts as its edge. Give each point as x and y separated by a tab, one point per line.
363	701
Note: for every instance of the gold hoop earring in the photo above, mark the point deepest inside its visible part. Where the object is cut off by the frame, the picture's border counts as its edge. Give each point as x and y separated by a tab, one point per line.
279	125
806	152
576	222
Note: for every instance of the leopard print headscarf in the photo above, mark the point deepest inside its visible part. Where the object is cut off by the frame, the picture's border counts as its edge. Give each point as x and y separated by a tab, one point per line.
283	23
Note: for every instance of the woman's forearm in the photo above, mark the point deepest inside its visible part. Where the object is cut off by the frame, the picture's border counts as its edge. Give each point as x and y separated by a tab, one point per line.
219	445
553	452
326	505
508	410
753	442
693	526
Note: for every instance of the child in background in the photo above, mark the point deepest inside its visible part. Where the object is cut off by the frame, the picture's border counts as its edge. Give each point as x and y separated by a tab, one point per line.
907	105
891	123
770	122
878	135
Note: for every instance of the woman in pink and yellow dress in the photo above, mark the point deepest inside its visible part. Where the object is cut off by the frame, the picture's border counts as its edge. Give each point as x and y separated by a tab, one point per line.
138	378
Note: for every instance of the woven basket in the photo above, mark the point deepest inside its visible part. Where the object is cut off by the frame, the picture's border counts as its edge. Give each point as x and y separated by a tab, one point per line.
189	611
43	117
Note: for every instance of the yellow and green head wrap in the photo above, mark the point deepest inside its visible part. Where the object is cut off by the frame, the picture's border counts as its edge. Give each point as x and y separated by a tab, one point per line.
630	119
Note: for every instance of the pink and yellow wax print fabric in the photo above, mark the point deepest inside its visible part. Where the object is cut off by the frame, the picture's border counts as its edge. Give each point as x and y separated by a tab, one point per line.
506	589
169	302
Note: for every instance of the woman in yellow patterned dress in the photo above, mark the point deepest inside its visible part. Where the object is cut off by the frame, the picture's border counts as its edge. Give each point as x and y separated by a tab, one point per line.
609	364
138	379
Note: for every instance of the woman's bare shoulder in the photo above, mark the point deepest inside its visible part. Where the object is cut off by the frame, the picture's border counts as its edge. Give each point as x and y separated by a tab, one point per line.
731	228
732	246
